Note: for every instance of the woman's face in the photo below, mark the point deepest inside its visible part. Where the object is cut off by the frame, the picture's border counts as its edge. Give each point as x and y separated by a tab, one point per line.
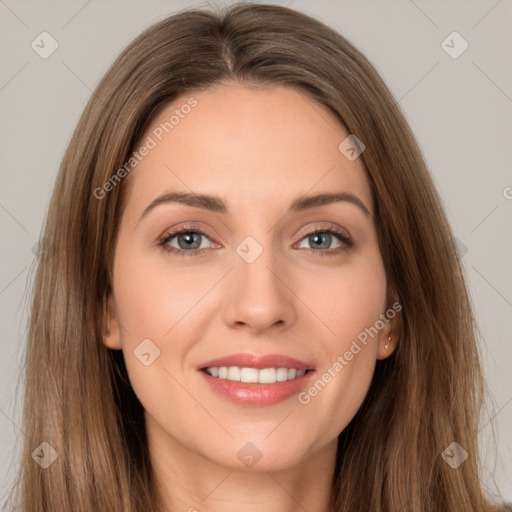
251	278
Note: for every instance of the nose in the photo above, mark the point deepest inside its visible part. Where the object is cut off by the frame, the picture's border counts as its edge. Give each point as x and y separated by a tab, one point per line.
259	295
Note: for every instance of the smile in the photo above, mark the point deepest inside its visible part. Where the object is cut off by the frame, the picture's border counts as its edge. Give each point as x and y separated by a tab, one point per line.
256	394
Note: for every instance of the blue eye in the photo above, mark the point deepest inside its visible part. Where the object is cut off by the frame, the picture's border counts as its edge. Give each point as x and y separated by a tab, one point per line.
189	241
324	237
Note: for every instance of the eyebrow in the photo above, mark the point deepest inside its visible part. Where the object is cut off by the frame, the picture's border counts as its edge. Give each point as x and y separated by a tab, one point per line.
216	204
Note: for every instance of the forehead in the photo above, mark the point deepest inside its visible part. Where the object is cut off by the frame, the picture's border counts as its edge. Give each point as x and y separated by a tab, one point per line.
252	145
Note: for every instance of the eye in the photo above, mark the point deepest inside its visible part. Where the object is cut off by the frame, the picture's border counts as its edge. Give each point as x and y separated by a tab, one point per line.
322	238
189	241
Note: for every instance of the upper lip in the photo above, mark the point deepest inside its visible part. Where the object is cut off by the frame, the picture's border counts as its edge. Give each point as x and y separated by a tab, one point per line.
245	360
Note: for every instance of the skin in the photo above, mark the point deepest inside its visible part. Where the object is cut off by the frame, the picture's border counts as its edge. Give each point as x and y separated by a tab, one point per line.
257	148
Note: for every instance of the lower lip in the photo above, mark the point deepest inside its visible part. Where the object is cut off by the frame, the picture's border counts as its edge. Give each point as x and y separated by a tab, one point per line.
257	395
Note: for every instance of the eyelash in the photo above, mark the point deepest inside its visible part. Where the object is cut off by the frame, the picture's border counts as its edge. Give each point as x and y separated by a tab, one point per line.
338	233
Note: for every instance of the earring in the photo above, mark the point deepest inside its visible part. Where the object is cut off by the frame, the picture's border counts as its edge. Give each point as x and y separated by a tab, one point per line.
386	346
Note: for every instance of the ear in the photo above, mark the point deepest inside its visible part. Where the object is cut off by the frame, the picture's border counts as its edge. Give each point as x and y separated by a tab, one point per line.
389	334
112	333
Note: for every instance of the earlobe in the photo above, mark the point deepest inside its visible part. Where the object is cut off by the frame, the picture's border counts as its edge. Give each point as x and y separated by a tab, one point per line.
386	347
388	340
111	335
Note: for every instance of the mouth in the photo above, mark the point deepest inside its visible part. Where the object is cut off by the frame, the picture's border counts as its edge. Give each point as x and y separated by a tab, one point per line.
256	381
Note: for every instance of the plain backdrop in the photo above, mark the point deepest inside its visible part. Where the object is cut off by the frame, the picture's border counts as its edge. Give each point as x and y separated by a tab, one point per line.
459	107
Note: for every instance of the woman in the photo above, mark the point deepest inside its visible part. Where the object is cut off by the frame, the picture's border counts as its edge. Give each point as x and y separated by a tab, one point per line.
191	347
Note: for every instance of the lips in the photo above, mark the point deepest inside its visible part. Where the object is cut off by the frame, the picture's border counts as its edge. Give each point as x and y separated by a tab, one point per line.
245	360
256	394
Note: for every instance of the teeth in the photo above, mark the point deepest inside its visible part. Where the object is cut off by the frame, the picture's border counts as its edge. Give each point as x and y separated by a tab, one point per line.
253	375
249	375
233	373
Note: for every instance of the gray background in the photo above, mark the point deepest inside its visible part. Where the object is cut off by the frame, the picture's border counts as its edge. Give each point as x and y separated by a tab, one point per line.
459	109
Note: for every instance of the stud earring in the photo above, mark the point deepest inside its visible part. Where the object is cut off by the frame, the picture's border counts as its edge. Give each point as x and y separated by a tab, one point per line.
386	346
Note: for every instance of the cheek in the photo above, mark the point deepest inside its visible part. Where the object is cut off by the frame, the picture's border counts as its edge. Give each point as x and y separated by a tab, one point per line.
158	302
346	300
350	305
154	296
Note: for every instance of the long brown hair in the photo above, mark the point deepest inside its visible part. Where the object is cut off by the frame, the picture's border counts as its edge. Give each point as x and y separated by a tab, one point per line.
78	398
